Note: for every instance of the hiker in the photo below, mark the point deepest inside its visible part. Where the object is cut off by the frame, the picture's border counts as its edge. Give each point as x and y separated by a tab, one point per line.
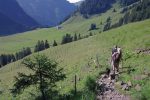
114	49
115	58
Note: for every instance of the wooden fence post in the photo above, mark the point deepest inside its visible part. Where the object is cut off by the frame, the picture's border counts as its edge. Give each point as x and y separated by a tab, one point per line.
75	85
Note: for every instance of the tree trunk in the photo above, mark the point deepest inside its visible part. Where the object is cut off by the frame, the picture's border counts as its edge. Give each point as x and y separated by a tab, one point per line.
43	94
42	88
75	86
41	83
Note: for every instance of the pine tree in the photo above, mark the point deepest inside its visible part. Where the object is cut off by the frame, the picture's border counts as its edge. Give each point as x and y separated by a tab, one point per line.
13	58
79	36
45	75
93	26
55	43
108	19
114	10
107	26
42	45
28	51
66	39
36	48
75	37
17	56
46	44
3	60
39	46
90	34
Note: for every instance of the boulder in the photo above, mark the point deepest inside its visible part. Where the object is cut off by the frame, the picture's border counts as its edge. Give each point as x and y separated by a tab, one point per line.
118	83
129	84
113	81
103	76
116	77
112	76
125	87
122	83
107	81
108	92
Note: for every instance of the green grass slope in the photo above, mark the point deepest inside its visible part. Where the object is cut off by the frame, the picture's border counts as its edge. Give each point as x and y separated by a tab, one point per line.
75	58
75	24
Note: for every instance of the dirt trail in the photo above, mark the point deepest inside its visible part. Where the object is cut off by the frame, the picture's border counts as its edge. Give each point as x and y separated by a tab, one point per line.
106	89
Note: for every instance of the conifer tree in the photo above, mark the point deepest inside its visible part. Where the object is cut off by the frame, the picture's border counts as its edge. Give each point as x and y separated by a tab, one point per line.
75	37
45	75
46	44
55	43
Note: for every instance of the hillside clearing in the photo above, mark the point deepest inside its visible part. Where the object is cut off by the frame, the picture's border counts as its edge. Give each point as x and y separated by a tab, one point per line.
76	24
73	58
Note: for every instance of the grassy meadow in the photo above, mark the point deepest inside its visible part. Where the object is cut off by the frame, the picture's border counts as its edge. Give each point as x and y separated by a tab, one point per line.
77	57
76	24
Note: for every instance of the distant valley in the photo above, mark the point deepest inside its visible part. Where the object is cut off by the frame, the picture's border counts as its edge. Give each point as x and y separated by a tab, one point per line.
27	15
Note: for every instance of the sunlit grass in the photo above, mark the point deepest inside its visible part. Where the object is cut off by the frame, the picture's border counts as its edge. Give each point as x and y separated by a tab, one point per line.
74	57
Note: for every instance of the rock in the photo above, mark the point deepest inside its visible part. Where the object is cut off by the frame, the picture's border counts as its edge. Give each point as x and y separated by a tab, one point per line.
99	98
103	76
100	83
108	71
106	87
107	81
108	92
113	81
125	87
116	77
129	84
118	83
112	76
138	87
122	83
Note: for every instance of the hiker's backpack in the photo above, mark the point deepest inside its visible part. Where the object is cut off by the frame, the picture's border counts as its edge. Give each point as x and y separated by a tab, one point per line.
117	57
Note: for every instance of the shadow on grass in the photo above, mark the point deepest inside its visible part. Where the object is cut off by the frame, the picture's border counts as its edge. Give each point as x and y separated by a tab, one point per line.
80	95
88	93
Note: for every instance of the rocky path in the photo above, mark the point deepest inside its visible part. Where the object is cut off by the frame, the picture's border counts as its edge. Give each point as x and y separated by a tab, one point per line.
106	89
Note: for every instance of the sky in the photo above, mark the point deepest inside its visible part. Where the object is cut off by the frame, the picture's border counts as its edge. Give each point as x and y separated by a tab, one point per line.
73	1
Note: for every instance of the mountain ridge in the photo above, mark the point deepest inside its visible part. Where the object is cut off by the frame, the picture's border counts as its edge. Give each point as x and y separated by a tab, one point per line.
13	12
33	14
45	10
